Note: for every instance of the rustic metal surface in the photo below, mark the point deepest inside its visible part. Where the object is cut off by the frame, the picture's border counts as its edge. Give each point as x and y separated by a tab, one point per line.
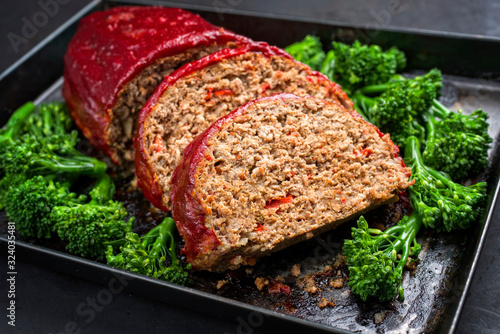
432	291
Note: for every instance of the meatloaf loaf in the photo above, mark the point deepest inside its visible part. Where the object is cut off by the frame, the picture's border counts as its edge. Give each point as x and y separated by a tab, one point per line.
199	93
275	171
116	59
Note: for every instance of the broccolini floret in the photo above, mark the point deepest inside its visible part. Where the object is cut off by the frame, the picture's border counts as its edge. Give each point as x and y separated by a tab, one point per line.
308	51
441	203
31	146
456	143
376	258
358	65
147	255
400	107
86	227
29	203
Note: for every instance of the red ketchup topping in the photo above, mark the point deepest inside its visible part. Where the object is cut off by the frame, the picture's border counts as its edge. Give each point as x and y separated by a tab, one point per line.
111	47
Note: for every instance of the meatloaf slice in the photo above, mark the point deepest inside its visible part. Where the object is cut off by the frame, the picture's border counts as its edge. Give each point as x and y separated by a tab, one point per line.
196	95
276	171
116	59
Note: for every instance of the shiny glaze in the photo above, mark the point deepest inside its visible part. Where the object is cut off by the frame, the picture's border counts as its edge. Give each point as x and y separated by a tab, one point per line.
111	47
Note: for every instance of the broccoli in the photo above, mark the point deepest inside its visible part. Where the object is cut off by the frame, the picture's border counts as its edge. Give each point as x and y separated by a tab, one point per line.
147	255
308	51
30	201
376	258
357	65
16	123
400	108
9	133
456	144
40	144
443	204
88	226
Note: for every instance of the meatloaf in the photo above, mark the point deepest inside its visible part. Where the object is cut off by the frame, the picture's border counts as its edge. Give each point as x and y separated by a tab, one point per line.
116	59
199	93
276	171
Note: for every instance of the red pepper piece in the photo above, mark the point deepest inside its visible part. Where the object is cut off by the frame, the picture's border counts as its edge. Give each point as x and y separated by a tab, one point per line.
158	144
259	228
366	151
224	92
265	86
277	202
209	94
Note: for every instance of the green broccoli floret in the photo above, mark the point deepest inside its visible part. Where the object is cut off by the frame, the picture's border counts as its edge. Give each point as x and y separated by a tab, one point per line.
8	134
376	258
41	144
358	65
51	119
147	255
30	202
308	51
456	144
43	148
400	108
88	226
441	203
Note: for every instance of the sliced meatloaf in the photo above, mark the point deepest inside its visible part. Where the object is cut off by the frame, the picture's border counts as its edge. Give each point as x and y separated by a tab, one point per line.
116	59
196	95
276	171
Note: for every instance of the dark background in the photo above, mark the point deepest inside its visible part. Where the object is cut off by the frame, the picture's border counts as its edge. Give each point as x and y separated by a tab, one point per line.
47	301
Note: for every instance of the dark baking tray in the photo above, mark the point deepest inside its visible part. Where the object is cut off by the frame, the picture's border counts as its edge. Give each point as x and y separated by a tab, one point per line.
435	291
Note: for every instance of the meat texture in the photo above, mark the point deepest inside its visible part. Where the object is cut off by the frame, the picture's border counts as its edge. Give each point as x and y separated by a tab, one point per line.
276	171
116	59
199	93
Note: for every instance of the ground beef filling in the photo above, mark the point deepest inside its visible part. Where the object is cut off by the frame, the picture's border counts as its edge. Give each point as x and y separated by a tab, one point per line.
194	102
286	169
134	95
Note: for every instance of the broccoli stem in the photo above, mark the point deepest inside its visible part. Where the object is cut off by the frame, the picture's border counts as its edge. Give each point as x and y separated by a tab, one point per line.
164	240
406	235
372	255
328	65
413	154
147	254
81	165
380	88
363	104
442	203
16	122
399	238
103	190
439	109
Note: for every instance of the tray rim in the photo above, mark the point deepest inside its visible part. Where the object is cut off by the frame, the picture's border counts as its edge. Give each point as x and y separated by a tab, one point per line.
289	17
95	4
89	7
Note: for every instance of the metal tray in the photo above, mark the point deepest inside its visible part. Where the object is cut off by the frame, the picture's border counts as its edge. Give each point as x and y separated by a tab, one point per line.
434	292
